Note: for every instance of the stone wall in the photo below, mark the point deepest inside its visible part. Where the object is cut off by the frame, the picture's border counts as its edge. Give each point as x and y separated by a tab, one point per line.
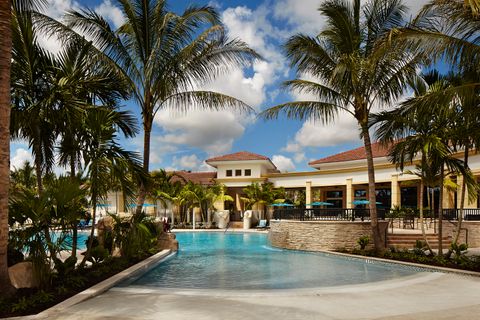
473	233
320	235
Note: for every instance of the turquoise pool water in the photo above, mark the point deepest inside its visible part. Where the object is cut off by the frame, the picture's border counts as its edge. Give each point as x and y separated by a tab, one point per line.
246	262
82	236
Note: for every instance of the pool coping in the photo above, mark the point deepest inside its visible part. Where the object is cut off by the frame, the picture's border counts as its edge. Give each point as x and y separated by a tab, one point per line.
406	263
103	286
236	230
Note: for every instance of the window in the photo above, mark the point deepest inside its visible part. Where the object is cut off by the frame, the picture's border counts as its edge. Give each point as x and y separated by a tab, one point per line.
334	194
248	172
238	173
229	173
361	193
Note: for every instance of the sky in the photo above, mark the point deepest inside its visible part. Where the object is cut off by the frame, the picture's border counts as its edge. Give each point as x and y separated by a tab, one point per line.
184	142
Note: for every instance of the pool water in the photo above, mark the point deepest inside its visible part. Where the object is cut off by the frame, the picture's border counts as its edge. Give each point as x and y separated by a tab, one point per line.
82	236
246	262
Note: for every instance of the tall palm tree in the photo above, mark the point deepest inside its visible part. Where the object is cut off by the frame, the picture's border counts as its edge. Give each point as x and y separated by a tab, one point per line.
165	57
32	115
5	106
5	60
416	131
353	69
104	158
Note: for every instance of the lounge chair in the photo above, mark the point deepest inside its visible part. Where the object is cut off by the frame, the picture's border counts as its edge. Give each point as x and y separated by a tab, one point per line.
262	225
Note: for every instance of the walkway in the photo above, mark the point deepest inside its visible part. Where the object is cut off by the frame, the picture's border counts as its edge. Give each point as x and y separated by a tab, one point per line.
423	296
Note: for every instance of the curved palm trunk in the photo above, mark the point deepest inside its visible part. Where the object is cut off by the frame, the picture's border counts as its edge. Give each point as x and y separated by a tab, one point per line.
462	205
424	235
440	213
75	224
92	232
5	60
377	237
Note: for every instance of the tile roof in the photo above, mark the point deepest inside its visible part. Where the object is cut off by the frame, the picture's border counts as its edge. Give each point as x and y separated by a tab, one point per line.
238	156
356	154
205	178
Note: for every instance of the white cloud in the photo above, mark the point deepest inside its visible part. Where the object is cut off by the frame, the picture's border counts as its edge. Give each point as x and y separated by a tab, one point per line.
187	162
284	164
304	16
111	12
21	155
213	132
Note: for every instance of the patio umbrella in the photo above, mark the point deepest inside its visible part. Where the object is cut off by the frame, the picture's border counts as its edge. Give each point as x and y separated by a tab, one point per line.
281	205
363	202
103	205
144	205
320	203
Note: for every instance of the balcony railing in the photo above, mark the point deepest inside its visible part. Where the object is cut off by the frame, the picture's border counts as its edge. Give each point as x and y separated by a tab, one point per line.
343	214
332	214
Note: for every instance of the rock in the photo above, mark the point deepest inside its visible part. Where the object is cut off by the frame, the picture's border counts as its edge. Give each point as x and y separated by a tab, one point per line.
21	275
167	241
104	225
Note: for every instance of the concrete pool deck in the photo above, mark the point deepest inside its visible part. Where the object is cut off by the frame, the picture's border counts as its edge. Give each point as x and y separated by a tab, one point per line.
422	296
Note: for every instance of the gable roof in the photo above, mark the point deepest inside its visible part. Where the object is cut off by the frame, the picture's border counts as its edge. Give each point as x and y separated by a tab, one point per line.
378	151
239	156
204	177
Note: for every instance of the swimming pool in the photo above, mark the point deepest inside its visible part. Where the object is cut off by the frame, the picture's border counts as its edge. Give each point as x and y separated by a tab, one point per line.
211	260
82	236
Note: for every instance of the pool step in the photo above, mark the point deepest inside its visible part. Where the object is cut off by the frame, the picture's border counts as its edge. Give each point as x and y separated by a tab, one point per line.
408	241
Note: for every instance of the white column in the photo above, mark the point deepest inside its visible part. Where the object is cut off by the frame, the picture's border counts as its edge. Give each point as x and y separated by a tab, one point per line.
350	195
395	191
308	193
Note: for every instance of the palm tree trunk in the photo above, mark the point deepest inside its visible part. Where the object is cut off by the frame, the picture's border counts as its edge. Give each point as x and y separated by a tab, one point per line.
38	170
147	128
5	60
377	237
440	213
462	204
92	232
424	235
75	223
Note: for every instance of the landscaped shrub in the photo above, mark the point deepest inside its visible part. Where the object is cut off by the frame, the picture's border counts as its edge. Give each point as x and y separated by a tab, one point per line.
363	242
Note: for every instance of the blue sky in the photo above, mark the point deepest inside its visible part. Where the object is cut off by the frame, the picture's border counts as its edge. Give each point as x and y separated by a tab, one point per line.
185	141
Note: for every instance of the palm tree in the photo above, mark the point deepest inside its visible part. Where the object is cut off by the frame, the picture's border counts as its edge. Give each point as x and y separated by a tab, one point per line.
31	84
23	178
261	195
104	159
417	131
164	57
82	81
353	69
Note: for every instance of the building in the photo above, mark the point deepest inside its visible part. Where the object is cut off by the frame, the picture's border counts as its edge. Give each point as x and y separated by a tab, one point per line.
339	179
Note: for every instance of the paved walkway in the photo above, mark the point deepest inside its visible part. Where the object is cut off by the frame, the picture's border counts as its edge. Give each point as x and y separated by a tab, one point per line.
422	296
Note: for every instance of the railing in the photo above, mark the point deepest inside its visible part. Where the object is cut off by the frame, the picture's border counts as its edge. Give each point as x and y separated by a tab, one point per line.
332	214
468	214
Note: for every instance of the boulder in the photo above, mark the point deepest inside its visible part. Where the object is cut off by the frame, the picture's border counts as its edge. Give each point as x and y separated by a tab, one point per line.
21	275
167	241
105	224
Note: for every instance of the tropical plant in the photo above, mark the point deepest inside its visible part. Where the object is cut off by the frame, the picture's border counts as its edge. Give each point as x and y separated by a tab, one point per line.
262	195
165	57
352	70
104	159
413	131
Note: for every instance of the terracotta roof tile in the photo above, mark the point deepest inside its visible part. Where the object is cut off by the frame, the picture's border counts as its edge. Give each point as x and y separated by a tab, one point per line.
239	156
356	154
205	178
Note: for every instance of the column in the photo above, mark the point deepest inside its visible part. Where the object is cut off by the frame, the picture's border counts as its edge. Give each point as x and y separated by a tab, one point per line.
447	202
308	193
238	202
468	204
350	195
395	191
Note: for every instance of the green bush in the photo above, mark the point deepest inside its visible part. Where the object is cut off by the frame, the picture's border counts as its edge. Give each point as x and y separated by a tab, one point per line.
363	242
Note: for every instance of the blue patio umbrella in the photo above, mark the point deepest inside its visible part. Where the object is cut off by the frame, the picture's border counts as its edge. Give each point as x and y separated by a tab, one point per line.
320	203
145	205
281	205
103	205
356	202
